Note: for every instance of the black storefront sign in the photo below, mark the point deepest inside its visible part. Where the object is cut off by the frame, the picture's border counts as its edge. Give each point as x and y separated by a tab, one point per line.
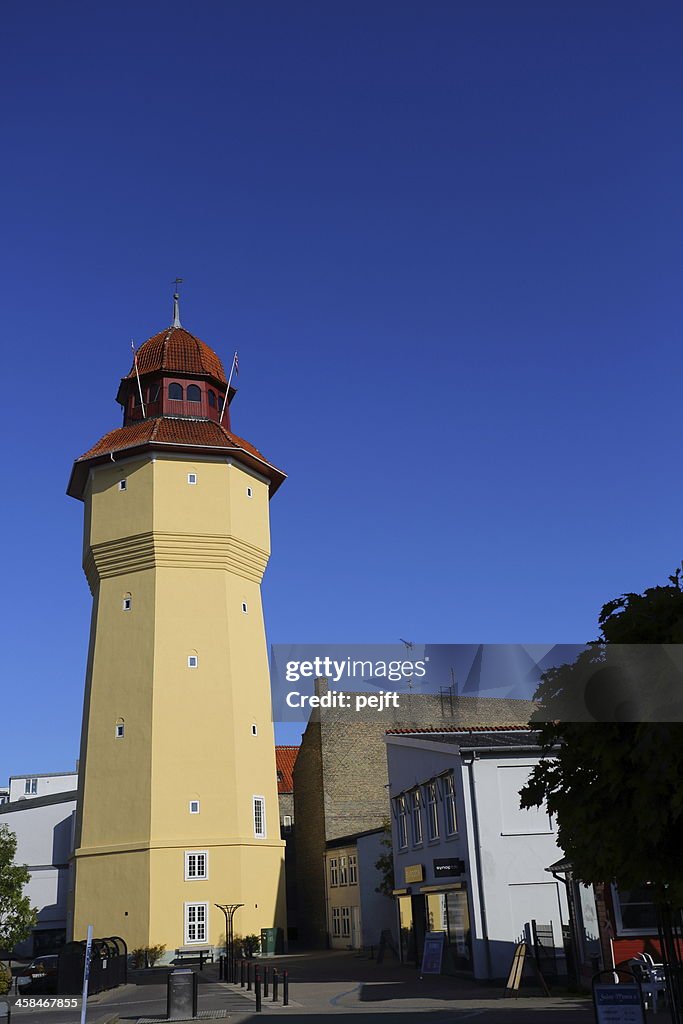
448	867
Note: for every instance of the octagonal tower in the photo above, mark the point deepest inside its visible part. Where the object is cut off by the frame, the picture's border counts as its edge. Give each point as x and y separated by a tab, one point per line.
177	807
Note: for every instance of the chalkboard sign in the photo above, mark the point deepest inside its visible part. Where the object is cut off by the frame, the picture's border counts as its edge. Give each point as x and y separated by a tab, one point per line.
618	1004
432	954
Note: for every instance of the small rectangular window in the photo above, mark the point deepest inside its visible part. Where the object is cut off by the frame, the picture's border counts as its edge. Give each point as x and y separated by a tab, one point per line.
286	823
336	922
254	730
250	493
244	606
192	478
120	729
259	817
196	865
196	922
334	871
343	872
123	484
31	787
127	604
194	806
192	661
353	869
346	920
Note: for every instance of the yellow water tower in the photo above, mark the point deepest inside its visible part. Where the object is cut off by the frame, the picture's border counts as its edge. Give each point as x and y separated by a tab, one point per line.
177	802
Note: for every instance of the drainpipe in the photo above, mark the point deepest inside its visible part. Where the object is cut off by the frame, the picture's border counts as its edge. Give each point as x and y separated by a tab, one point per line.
469	764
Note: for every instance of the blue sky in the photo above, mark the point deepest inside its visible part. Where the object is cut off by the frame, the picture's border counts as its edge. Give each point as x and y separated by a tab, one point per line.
446	240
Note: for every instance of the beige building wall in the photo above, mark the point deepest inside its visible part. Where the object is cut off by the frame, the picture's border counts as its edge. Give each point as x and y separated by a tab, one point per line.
344	923
175	569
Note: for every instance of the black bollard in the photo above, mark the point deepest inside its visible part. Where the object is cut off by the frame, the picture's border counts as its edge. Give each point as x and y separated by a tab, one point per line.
274	985
248	975
285	988
257	989
265	981
241	973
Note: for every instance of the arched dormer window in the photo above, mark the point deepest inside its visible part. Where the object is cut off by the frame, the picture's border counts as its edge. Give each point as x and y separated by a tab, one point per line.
175	392
193	393
212	399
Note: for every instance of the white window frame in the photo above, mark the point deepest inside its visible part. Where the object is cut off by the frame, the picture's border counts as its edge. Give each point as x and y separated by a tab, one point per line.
201	926
250	493
193	661
417	834
254	729
192	863
120	730
31	787
192	478
259	801
343	871
194	806
245	607
123	485
286	823
432	812
346	922
449	806
336	922
402	819
353	869
334	872
127	603
618	918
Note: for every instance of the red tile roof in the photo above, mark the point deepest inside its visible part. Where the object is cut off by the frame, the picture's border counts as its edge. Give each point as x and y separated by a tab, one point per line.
285	758
180	433
175	350
417	730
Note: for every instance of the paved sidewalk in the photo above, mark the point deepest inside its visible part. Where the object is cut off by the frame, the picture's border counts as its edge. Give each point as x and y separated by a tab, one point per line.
353	989
356	989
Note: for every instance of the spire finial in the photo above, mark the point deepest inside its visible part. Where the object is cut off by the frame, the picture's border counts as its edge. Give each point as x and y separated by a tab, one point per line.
176	302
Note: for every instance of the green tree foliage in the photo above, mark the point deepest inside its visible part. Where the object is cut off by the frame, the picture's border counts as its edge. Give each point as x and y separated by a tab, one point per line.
385	864
616	786
17	916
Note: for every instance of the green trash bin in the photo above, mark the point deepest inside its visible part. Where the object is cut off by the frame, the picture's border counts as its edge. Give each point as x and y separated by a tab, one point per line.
271	941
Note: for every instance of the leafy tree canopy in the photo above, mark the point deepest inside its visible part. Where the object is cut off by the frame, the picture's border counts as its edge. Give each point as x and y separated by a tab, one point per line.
17	916
616	785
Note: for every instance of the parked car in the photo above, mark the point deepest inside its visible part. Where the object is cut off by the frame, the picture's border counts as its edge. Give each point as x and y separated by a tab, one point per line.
39	976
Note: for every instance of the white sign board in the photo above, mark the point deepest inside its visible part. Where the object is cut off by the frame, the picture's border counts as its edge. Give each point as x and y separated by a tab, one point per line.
618	1004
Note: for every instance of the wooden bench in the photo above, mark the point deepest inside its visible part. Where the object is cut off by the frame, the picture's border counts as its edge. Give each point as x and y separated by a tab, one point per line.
202	954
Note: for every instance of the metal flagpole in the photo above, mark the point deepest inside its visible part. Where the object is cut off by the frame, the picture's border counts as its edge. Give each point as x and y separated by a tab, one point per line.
86	973
135	360
234	368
